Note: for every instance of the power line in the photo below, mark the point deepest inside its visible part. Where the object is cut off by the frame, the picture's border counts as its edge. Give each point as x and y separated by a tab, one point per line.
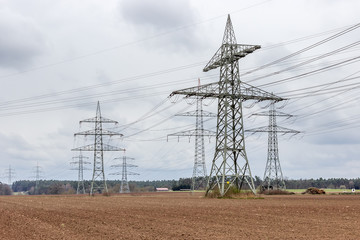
297	60
308	61
339	64
142	76
59	101
317	71
350	86
324	85
322	100
154	125
87	88
352	28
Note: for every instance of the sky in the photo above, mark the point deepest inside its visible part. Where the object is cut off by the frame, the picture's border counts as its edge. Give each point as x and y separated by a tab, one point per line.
59	58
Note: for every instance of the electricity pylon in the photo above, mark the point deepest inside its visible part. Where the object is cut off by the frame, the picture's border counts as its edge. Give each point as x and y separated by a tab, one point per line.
124	186
38	172
230	166
98	182
80	168
199	176
273	177
9	173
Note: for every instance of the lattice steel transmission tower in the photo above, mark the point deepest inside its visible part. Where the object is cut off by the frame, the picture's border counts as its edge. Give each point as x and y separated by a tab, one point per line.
80	168
199	177
9	174
273	177
38	173
98	182
230	166
124	186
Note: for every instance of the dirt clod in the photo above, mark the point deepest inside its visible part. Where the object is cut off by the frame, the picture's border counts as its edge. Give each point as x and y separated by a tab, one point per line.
314	190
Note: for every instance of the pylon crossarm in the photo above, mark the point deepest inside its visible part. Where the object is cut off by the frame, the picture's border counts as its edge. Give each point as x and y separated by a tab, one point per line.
107	147
97	119
102	132
277	129
229	53
277	114
92	147
128	173
127	158
121	165
190	133
204	91
82	162
80	157
77	168
196	113
247	92
116	165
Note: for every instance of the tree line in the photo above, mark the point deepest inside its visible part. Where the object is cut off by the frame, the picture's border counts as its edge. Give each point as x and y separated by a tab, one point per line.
69	187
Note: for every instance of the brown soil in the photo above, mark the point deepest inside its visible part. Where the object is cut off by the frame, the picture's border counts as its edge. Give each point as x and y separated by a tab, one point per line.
179	216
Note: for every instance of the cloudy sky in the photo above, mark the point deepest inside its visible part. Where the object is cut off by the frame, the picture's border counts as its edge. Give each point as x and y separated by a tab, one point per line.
58	58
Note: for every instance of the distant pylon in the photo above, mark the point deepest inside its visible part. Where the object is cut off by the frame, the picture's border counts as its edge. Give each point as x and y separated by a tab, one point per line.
9	173
199	177
124	186
80	168
273	176
38	172
230	166
98	182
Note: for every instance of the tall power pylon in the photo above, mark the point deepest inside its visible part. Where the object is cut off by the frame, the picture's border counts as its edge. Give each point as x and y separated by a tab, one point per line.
199	176
80	168
273	177
124	186
98	182
9	173
230	166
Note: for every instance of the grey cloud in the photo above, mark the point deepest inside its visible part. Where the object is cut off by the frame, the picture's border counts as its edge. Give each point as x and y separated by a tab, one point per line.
159	14
162	16
20	40
336	138
15	151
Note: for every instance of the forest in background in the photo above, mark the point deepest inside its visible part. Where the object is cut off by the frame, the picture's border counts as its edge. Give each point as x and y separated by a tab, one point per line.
69	187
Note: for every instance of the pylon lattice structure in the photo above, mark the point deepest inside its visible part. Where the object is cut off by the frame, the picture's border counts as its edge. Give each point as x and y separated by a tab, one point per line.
80	168
38	173
98	182
273	177
9	173
199	176
124	186
230	166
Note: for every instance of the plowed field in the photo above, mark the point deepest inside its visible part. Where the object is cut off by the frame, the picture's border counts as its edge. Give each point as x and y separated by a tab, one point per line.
179	216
